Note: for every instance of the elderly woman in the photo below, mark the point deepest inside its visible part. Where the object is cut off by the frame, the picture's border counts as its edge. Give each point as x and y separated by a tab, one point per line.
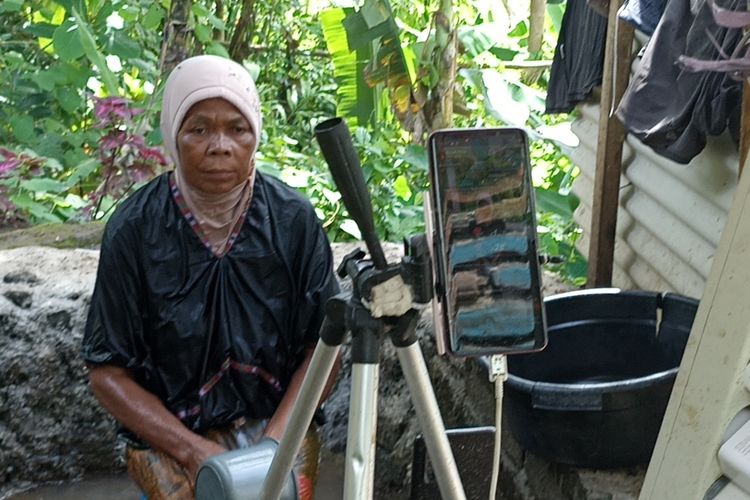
209	293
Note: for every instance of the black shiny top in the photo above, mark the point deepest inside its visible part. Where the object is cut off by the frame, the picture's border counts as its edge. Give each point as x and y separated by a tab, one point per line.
215	338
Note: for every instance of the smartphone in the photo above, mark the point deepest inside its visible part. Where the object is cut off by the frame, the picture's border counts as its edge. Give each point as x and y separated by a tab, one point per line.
482	220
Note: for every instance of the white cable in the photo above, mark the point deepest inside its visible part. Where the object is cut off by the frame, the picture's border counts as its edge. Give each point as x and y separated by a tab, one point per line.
498	375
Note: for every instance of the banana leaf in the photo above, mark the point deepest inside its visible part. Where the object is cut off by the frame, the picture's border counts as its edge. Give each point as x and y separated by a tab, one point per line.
350	36
356	99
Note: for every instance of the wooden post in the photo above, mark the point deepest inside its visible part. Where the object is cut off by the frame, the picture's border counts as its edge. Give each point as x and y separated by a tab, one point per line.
615	76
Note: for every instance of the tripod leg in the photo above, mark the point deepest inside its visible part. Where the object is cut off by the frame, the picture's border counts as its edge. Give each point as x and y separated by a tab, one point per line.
360	440
363	406
312	387
431	422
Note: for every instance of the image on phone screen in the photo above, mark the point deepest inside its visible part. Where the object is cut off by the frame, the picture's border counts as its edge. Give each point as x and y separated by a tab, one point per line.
485	241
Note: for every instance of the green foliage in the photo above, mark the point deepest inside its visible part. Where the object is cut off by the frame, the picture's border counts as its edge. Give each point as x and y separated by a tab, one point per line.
396	173
60	58
23	175
356	99
496	96
553	176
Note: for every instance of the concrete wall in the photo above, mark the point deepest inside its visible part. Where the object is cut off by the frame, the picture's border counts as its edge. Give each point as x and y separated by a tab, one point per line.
670	217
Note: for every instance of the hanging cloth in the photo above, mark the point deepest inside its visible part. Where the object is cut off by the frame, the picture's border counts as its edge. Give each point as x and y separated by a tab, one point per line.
673	110
579	57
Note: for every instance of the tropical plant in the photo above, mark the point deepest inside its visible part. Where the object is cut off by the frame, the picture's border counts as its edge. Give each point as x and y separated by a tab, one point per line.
66	60
126	161
390	72
58	57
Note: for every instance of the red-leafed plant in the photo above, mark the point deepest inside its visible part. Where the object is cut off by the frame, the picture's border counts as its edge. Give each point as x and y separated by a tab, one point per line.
14	169
36	188
125	158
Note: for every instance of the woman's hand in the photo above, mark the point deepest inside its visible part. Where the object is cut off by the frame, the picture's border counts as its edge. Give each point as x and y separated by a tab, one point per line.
201	449
144	414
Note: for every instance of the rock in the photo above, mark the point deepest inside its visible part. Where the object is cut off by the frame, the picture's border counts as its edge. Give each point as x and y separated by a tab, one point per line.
69	235
52	429
21	277
19	297
50	426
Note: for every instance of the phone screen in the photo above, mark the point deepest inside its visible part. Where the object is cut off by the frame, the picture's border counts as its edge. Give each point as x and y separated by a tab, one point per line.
484	227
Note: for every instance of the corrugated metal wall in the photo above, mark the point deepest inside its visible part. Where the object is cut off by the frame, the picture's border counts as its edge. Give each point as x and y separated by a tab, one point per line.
670	216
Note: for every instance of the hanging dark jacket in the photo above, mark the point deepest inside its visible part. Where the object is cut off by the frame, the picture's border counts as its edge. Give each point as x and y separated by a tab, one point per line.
670	109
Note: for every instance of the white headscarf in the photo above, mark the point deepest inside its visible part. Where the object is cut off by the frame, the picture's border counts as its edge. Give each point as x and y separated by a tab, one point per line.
197	79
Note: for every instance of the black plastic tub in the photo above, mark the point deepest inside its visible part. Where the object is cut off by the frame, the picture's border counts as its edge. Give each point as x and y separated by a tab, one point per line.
596	395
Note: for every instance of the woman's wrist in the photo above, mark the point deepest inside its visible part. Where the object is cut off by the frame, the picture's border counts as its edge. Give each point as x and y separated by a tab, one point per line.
196	451
186	453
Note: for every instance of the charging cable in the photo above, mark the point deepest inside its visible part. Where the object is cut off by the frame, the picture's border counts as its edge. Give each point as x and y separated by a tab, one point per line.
498	375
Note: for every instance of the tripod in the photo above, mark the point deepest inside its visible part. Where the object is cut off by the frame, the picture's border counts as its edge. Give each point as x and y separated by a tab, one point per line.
348	313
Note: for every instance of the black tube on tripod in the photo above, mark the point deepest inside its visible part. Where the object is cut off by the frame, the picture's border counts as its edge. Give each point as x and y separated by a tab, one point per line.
336	144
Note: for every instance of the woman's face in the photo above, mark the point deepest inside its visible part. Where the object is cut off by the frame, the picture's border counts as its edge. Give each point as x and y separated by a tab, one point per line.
215	143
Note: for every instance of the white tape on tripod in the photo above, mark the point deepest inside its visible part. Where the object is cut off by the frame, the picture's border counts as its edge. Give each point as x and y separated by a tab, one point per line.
392	297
